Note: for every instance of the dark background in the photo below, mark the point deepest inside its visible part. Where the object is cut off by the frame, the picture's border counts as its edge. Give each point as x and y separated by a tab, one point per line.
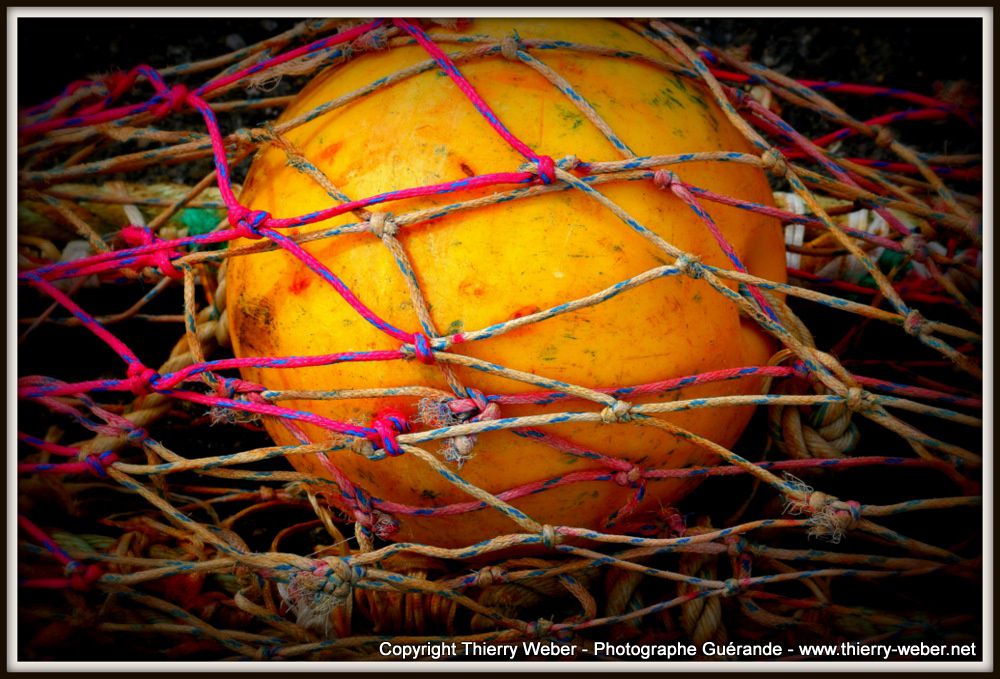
902	52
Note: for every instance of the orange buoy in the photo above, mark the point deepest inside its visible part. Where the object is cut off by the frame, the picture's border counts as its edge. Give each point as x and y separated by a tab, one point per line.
482	266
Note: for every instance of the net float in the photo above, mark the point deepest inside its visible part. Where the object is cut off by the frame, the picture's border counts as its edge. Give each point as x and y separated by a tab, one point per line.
392	118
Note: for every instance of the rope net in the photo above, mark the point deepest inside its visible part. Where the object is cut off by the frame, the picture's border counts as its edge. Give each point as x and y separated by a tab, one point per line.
153	508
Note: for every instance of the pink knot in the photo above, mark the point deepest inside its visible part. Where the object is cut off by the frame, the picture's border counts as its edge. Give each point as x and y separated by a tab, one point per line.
386	426
630	477
851	515
737	97
135	236
546	169
172	101
141	380
422	348
248	223
97	464
664	179
82	577
674	520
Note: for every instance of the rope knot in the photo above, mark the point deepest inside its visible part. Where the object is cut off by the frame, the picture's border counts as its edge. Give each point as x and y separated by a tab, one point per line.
489	575
247	222
690	266
137	435
171	101
382	224
774	162
339	578
732	587
857	399
628	478
619	411
549	537
135	235
510	46
664	179
915	324
883	136
371	519
568	163
737	545
546	168
372	40
97	464
81	576
738	97
141	380
916	245
386	426
475	408
249	137
834	519
848	514
116	83
539	628
228	387
422	349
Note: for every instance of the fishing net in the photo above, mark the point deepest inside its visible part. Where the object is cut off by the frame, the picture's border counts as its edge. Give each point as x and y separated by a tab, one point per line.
158	520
